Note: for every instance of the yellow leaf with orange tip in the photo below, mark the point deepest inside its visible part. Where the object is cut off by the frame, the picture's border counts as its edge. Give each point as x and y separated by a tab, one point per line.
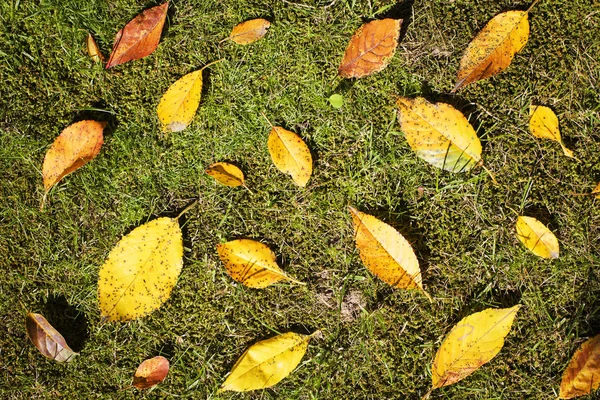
226	174
290	155
543	124
386	252
151	372
537	238
582	375
47	339
597	190
251	263
439	134
93	49
249	31
267	362
474	341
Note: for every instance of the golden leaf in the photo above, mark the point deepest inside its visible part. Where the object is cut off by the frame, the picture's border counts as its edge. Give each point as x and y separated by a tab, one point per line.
47	339
597	190
494	47
582	375
141	270
93	49
371	48
290	155
543	124
439	134
249	31
251	263
386	252
151	372
226	174
537	238
266	363
474	341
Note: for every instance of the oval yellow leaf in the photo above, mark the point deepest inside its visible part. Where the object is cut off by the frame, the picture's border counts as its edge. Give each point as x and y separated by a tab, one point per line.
543	124
47	339
93	49
266	363
537	238
249	31
178	105
385	252
251	263
141	270
474	341
494	47
582	375
226	174
439	134
290	155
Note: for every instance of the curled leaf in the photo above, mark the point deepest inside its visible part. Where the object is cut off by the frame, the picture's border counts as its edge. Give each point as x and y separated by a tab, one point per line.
226	174
251	263
582	375
290	155
140	37
371	48
47	339
266	363
151	372
93	49
543	124
249	31
537	238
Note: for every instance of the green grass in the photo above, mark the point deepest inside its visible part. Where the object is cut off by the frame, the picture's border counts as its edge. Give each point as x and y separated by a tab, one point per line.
461	225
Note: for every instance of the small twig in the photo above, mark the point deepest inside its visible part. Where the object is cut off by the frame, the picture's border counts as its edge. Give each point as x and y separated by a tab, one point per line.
43	201
489	173
532	4
187	208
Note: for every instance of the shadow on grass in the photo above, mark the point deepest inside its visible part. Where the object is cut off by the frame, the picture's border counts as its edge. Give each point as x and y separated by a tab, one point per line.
68	320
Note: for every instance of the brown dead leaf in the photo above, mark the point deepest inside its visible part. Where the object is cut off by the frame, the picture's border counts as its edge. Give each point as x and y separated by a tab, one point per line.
140	37
151	372
47	339
249	31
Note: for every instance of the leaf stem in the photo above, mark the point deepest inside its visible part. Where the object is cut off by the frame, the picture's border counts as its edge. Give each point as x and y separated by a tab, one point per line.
267	119
211	63
426	396
489	173
43	201
532	4
187	209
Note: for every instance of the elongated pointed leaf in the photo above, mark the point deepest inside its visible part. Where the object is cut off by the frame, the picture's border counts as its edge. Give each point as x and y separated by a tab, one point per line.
290	155
543	123
582	375
93	49
537	238
47	339
151	372
226	174
249	31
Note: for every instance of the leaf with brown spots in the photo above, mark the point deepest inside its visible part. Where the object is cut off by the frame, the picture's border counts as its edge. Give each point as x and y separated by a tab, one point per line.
371	48
140	37
251	263
474	341
151	372
386	252
267	362
290	155
543	124
537	238
93	49
249	31
226	174
582	375
47	339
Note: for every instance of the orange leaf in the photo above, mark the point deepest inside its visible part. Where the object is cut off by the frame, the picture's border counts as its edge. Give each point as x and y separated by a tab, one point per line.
371	48
93	49
151	372
249	31
47	339
140	37
74	147
582	375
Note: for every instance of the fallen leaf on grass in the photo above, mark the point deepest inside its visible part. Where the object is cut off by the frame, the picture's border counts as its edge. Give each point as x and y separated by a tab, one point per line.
226	174
249	31
597	190
582	375
543	124
140	37
151	372
93	49
266	363
47	339
251	263
290	154
537	238
371	48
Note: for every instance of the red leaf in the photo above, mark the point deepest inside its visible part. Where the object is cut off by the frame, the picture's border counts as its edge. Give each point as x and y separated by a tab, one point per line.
151	372
140	37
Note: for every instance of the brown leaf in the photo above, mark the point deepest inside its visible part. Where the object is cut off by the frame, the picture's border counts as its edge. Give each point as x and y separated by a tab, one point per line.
47	339
371	48
140	37
582	375
249	31
151	372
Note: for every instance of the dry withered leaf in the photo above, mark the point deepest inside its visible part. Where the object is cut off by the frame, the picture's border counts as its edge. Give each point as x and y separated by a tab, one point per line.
93	49
249	31
151	372
582	375
370	48
47	339
140	37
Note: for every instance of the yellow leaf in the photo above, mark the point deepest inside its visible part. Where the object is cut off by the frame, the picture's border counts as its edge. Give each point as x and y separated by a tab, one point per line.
251	263
582	375
474	341
543	124
290	155
266	363
93	49
493	49
141	270
597	190
537	238
439	134
249	31
227	174
386	252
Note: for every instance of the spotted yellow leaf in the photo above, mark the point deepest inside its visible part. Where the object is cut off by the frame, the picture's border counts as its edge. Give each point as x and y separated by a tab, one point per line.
537	238
251	263
474	341
141	270
267	362
226	174
290	155
249	31
582	375
439	134
386	252
543	124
